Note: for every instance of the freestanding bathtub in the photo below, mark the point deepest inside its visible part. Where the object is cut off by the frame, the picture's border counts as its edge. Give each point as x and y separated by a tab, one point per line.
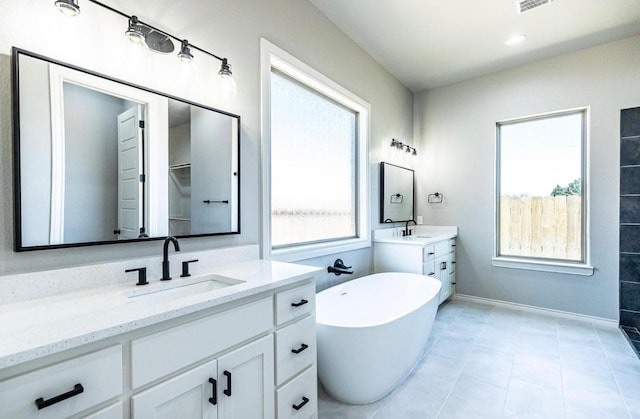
371	333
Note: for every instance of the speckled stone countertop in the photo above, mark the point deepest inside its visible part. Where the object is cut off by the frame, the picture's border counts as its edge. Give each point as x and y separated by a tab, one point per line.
421	235
43	326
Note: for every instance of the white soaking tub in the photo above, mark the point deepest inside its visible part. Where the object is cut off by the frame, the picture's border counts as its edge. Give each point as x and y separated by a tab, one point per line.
371	333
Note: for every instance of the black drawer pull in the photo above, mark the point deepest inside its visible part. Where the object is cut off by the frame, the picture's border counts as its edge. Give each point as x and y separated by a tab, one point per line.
302	348
301	405
228	390
430	253
301	303
214	392
42	403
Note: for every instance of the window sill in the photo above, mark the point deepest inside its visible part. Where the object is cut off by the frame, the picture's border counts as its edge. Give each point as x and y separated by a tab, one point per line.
298	253
544	266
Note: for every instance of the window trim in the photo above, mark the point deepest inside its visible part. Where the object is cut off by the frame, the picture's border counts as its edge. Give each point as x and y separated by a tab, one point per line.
581	267
273	56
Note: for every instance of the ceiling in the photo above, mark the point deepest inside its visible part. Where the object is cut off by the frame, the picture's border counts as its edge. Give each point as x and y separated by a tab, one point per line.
431	43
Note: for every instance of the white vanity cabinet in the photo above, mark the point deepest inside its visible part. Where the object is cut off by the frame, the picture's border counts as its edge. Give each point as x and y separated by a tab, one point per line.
239	384
236	385
431	258
253	358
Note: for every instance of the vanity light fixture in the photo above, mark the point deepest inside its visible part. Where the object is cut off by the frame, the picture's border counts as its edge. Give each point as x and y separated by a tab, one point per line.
400	146
185	54
134	31
68	7
228	84
156	40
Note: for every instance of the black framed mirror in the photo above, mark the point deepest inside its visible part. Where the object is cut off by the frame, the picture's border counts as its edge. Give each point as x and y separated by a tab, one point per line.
98	160
396	193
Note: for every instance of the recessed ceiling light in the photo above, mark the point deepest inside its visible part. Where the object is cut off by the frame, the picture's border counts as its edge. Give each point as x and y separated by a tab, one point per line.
515	39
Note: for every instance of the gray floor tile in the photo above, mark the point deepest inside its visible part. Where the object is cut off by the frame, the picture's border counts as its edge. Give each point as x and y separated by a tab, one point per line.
528	401
472	398
489	366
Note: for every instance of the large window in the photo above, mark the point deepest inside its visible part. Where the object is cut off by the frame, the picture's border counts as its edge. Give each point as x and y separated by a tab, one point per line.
315	138
541	189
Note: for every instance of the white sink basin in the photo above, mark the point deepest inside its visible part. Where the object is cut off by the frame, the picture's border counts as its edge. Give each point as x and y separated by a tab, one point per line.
164	293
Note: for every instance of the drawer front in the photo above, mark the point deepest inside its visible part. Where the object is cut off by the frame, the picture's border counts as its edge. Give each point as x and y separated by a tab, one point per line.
300	393
297	302
295	348
164	352
442	248
428	252
99	375
429	268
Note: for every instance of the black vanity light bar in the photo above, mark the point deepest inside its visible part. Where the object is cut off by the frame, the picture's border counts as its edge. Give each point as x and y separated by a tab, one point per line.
400	145
72	8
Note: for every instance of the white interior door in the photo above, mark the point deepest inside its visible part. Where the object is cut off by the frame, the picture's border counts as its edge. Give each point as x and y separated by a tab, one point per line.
130	186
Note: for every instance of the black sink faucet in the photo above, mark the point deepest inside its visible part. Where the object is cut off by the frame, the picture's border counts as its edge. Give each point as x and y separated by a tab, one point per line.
165	256
406	231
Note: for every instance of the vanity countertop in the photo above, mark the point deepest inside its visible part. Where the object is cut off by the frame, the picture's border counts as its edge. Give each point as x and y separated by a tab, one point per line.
421	235
44	326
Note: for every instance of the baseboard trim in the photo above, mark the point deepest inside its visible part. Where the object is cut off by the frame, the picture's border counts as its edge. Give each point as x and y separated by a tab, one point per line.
600	321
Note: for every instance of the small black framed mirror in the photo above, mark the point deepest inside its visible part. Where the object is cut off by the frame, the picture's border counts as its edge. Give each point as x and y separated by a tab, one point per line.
396	193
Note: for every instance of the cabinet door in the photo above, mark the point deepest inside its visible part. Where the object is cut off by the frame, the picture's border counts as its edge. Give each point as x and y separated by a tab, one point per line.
245	382
189	395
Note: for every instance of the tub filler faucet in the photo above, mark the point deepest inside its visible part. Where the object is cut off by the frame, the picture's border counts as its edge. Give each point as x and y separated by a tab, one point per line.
165	256
406	231
338	268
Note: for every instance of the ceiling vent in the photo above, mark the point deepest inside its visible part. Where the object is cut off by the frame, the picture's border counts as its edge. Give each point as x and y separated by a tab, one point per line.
526	5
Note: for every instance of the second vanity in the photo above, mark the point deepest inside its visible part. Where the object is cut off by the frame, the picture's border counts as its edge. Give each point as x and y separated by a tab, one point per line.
235	342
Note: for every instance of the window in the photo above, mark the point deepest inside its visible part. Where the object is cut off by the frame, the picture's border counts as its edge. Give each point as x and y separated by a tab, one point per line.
541	193
315	136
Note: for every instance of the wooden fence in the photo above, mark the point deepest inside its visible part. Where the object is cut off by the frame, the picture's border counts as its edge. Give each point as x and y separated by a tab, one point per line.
544	227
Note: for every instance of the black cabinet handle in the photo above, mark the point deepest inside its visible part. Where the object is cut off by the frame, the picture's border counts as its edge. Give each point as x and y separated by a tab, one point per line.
443	266
42	403
301	405
431	273
301	303
228	390
214	392
302	348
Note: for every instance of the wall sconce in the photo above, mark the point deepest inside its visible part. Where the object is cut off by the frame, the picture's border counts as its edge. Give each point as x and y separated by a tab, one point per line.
156	40
399	145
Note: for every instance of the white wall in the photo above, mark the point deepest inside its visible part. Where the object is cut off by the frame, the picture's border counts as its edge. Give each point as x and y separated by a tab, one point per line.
95	40
456	130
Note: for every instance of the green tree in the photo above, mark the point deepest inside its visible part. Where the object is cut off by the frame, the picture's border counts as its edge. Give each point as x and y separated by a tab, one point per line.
573	188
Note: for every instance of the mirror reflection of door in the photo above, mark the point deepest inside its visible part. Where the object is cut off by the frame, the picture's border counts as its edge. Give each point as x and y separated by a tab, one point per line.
130	174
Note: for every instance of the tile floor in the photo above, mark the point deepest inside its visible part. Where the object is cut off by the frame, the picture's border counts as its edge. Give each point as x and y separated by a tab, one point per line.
491	362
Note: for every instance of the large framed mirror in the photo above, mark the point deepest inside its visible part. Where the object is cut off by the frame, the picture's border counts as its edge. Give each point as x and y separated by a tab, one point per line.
99	160
396	193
